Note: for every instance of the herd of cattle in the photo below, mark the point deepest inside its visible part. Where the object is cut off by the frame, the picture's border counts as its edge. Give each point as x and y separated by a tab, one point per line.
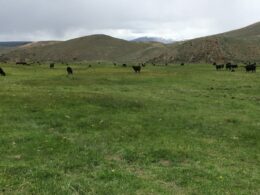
249	67
137	69
69	70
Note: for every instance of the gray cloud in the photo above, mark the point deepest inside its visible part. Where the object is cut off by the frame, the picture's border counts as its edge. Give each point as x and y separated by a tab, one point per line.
176	19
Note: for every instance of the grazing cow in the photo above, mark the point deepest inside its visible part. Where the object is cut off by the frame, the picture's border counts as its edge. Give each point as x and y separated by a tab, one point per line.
137	69
2	72
234	66
219	67
52	65
228	66
143	64
69	71
90	66
251	67
231	67
114	64
124	65
22	63
182	64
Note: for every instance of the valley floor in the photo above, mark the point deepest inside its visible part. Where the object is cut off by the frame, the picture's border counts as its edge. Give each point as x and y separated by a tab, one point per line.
107	130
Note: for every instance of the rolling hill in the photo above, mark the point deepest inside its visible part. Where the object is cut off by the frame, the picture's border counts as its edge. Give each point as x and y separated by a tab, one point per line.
252	31
90	48
235	46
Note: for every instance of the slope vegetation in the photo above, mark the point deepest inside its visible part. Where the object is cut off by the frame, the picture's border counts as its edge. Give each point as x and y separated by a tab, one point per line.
237	46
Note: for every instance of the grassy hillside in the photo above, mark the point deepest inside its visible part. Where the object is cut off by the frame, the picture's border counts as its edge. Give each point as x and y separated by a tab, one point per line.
252	31
214	49
4	50
168	130
235	46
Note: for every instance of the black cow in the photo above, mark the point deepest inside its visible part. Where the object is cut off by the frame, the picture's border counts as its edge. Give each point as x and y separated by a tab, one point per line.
52	65
137	69
182	64
228	66
90	66
22	63
2	72
251	67
234	66
124	65
219	67
231	67
69	71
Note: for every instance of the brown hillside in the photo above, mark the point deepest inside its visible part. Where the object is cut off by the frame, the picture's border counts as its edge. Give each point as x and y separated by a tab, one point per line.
95	47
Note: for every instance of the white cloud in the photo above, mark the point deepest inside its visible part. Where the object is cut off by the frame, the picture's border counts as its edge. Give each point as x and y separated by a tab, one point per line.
175	19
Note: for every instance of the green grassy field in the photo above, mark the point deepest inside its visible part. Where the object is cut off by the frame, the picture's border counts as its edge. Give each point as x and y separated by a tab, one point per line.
168	130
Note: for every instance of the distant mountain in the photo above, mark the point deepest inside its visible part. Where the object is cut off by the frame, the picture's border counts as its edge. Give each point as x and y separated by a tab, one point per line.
13	44
9	46
153	39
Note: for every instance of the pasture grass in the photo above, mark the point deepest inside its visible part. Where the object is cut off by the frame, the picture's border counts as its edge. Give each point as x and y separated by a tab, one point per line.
106	130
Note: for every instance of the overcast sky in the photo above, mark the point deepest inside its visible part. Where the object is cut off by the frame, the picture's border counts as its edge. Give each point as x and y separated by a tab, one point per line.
36	20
